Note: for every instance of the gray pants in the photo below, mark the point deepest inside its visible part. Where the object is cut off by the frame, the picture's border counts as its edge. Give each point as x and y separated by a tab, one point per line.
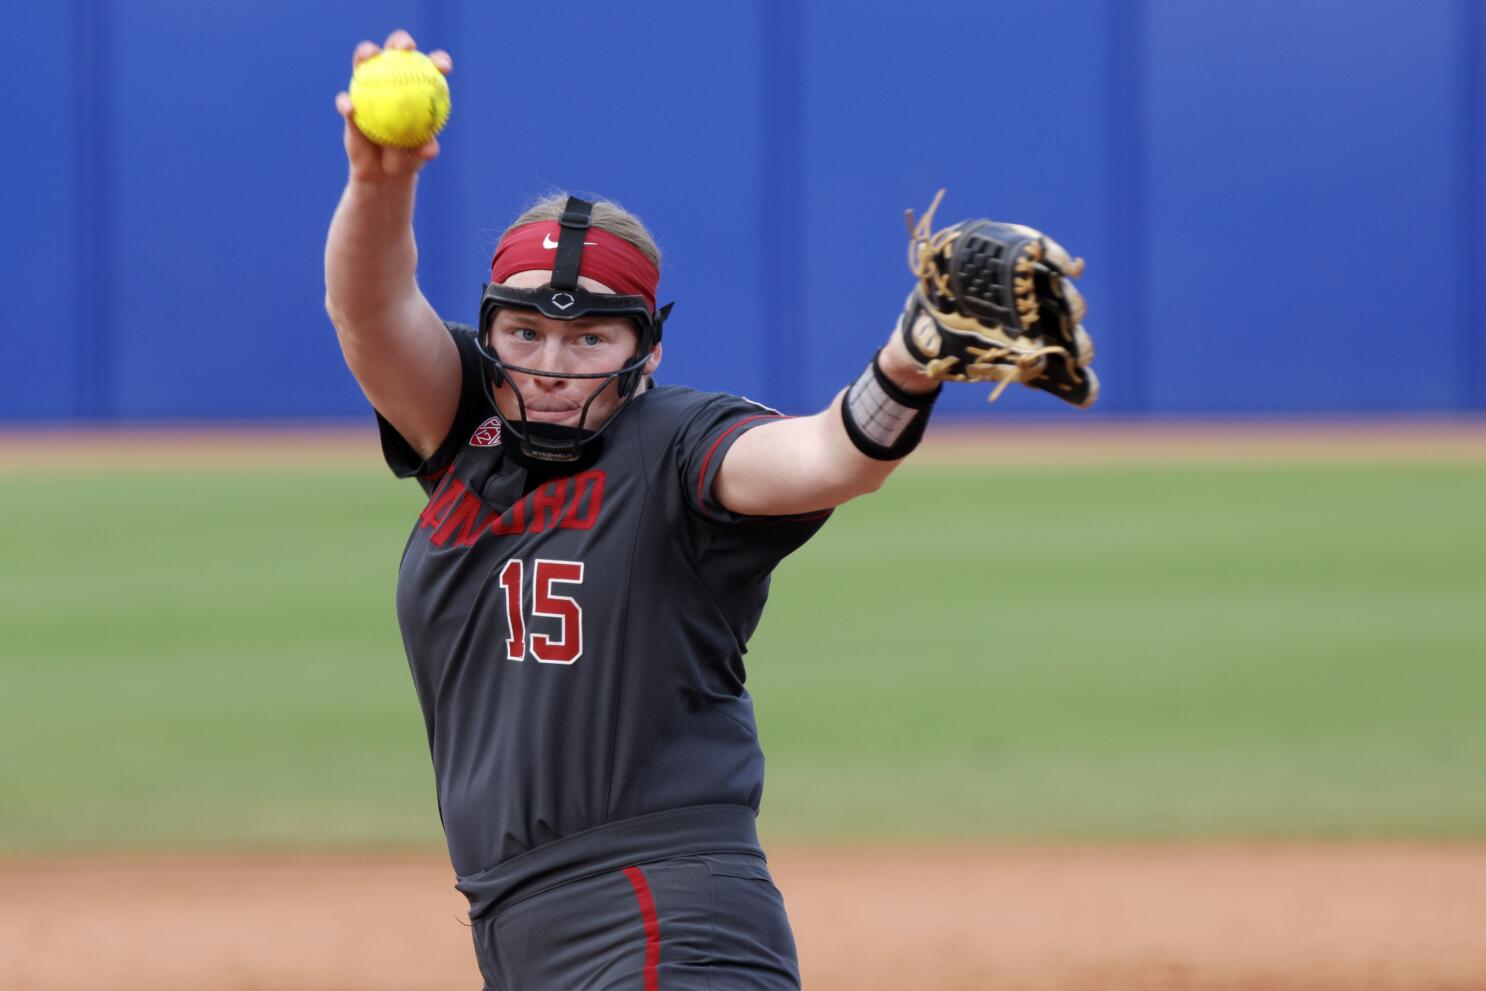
713	922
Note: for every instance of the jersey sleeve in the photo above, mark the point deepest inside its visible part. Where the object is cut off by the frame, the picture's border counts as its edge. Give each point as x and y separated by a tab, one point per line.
704	441
473	408
731	547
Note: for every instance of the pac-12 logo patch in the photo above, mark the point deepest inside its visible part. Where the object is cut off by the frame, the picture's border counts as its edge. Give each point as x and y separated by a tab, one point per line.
487	434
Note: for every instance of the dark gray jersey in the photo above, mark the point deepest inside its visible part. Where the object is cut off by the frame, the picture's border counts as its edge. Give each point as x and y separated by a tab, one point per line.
577	640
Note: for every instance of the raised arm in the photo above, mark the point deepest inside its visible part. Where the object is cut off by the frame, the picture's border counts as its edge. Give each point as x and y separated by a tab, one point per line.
393	341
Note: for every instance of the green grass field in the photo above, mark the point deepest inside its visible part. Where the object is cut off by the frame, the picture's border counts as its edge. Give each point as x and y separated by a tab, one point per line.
212	661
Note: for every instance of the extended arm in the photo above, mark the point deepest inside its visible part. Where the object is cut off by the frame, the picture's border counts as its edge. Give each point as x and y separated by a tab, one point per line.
393	341
809	463
995	302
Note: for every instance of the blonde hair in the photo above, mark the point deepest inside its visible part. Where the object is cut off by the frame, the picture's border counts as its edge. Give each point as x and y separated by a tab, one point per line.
607	215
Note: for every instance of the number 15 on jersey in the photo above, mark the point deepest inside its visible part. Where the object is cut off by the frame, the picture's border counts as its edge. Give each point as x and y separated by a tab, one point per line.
567	646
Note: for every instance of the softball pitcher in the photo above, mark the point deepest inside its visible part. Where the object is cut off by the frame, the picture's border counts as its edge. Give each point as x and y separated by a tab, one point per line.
576	596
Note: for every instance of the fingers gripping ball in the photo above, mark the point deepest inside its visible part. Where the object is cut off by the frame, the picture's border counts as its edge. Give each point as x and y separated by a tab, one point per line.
996	303
400	98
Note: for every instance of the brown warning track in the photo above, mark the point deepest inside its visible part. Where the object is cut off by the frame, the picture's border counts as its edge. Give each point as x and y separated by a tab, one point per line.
867	918
1196	442
987	442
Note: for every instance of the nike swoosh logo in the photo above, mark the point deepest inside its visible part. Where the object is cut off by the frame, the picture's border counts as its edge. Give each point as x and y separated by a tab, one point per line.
551	245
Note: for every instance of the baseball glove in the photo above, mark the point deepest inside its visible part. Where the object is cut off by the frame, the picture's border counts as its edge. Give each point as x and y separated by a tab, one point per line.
996	303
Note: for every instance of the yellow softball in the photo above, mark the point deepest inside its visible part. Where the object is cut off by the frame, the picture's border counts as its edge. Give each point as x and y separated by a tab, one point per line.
400	98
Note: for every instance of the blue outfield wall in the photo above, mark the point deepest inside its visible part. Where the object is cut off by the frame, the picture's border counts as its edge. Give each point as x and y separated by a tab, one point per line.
1281	204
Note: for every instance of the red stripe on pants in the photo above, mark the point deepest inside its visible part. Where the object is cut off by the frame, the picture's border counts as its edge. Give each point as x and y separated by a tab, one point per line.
652	927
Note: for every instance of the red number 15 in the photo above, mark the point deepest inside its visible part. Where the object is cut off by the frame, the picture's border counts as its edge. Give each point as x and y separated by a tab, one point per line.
567	646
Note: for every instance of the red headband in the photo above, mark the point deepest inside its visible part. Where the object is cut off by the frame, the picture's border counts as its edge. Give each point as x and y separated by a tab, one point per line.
608	258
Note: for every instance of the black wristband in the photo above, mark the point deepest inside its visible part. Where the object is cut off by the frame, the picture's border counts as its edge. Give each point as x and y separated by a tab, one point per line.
883	420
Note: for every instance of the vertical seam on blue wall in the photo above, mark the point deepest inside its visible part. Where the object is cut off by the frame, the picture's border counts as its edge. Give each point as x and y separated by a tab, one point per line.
1470	35
781	206
1127	192
438	197
93	149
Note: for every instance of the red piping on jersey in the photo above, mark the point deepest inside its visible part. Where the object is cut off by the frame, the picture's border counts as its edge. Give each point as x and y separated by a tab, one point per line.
652	926
702	479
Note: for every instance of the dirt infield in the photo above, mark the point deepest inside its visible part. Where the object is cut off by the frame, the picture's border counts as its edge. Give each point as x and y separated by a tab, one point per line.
1133	442
1284	918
